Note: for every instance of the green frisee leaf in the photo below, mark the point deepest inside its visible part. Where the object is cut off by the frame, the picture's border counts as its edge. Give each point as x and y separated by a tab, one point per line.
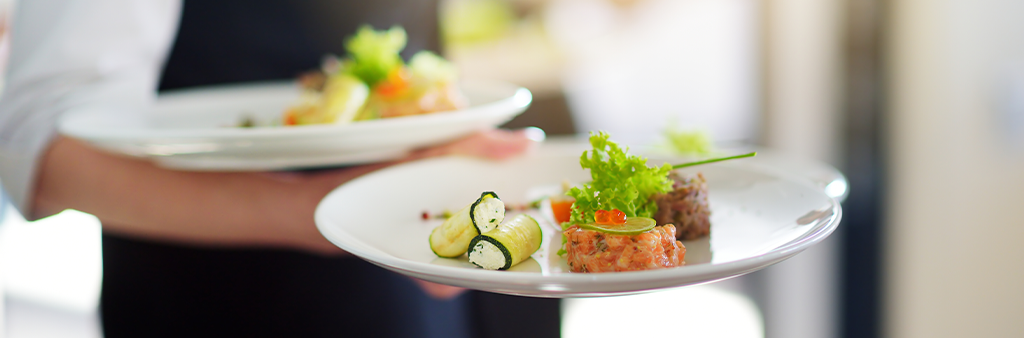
619	181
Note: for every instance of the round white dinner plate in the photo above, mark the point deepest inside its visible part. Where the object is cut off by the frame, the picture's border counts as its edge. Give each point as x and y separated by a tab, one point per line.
761	215
194	129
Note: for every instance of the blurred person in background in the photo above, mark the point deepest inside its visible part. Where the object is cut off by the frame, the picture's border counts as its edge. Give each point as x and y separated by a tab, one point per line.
191	254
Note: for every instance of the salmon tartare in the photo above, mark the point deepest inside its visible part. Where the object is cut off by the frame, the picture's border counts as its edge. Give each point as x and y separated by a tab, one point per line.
595	251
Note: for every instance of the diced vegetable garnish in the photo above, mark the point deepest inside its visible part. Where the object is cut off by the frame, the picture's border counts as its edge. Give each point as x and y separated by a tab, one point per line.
396	84
561	207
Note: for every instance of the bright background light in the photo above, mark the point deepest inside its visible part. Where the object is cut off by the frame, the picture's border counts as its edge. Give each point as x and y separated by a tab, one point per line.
696	311
52	270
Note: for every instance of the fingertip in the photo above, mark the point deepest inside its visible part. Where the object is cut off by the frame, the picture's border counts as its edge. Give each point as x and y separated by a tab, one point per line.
534	134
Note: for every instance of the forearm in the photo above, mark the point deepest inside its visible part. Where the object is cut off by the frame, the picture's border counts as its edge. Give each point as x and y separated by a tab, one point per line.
136	198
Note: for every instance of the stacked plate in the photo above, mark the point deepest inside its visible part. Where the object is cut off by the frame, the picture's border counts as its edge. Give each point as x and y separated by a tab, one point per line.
764	210
197	129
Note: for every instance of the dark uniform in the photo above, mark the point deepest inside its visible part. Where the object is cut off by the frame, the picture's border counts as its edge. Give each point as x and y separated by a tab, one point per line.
153	289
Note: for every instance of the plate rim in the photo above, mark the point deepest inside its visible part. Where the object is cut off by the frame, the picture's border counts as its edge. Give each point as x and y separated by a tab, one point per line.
519	100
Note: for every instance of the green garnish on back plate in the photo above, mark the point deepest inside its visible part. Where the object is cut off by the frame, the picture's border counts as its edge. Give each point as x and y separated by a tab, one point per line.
373	54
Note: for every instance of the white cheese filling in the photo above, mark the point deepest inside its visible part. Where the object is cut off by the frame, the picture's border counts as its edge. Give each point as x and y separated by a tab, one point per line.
488	214
487	255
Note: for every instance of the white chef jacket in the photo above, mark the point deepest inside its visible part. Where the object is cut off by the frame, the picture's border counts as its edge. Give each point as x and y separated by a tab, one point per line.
70	55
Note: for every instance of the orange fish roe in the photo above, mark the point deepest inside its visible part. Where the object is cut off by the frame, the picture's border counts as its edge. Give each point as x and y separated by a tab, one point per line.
594	251
615	216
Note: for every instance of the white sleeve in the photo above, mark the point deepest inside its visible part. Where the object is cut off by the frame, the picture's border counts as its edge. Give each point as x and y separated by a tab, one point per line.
68	55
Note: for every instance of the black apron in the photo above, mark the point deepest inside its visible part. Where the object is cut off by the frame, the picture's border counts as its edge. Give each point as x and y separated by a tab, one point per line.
155	289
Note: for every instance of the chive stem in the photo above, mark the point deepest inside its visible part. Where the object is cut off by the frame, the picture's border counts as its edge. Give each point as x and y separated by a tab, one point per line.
689	164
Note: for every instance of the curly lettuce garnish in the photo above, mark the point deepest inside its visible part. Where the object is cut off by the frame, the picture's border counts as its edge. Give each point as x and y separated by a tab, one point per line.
374	54
619	181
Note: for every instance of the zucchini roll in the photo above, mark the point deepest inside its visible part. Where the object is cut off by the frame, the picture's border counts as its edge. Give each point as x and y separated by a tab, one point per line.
509	244
451	238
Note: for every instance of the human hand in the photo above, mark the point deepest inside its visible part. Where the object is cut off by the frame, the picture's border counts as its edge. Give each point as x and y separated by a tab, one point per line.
439	291
494	144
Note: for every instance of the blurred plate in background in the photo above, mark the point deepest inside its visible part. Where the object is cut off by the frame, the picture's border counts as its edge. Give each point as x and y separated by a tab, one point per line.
194	129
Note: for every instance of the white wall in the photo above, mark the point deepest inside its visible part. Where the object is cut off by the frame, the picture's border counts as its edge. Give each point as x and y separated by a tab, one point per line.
802	46
631	71
955	259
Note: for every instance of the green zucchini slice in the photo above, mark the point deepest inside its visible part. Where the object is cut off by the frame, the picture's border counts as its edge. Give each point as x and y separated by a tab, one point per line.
506	246
451	238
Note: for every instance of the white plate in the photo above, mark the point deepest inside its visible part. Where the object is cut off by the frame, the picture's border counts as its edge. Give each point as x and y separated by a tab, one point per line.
190	129
760	216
